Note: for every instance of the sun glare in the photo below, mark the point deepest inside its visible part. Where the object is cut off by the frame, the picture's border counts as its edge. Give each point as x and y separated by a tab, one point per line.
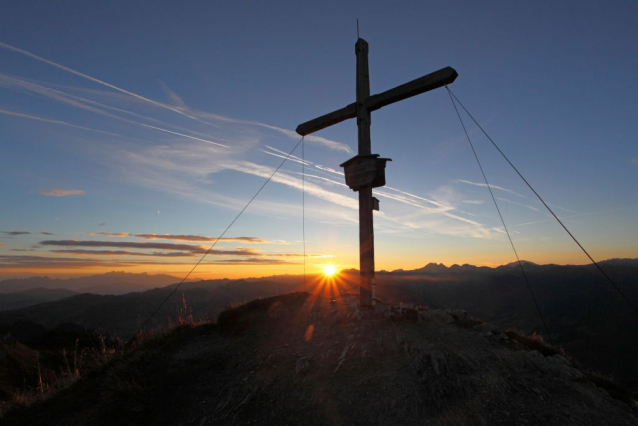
329	270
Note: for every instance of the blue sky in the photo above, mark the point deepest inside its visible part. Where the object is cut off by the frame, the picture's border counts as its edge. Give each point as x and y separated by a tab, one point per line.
125	122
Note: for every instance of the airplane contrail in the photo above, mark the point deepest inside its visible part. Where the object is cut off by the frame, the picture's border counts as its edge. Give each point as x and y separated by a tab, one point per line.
60	122
98	81
82	104
180	134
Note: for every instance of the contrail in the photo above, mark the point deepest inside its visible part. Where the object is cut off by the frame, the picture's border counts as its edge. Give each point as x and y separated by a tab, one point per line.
326	142
180	134
81	103
103	83
47	120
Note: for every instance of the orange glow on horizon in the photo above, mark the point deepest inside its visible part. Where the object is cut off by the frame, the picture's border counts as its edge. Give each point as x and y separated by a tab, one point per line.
385	261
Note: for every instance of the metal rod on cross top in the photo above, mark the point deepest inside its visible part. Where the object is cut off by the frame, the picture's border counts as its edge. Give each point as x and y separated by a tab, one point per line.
366	170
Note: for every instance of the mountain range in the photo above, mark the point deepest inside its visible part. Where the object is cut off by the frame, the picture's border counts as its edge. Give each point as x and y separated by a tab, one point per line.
115	282
577	308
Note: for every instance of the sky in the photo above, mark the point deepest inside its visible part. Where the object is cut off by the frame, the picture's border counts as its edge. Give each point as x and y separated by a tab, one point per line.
133	133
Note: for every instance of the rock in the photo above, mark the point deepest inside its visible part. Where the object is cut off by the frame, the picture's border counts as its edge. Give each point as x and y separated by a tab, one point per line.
460	315
356	313
303	365
443	317
425	316
487	329
411	314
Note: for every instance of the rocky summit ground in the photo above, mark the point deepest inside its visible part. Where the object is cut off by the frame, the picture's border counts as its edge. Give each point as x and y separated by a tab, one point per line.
318	359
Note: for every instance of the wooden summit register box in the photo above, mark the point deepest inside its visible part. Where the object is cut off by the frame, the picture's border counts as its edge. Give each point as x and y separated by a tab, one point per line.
365	170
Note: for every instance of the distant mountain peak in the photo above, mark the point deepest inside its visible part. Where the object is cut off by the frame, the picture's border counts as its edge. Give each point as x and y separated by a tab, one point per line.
434	267
515	264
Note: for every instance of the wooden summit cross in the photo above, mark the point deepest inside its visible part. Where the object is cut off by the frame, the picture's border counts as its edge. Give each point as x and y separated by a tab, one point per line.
366	170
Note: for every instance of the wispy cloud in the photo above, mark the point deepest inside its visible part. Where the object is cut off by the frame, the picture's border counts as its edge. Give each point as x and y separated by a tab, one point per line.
281	154
93	79
194	238
250	240
174	249
190	172
80	252
285	179
46	233
15	233
109	234
46	262
418	197
252	261
124	244
527	206
50	262
88	105
182	109
60	192
578	215
329	170
60	122
500	188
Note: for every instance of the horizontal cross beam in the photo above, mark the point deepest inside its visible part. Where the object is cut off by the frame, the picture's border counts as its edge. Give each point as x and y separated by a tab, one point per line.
423	84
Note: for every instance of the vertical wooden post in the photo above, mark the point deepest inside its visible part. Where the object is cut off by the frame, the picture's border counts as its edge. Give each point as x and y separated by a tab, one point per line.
366	228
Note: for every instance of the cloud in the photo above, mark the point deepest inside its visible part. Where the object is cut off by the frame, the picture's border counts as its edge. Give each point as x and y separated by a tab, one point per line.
81	252
251	261
177	100
83	103
40	262
14	233
59	192
109	234
188	173
199	116
285	179
179	169
46	262
519	204
3	244
500	188
419	198
330	170
47	120
188	249
250	240
46	233
281	154
124	244
634	161
194	238
93	79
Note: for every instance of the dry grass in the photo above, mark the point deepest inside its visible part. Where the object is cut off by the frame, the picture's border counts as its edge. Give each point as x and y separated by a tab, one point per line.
536	342
614	389
82	362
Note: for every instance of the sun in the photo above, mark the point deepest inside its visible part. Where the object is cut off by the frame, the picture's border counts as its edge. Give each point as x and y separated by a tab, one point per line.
329	270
